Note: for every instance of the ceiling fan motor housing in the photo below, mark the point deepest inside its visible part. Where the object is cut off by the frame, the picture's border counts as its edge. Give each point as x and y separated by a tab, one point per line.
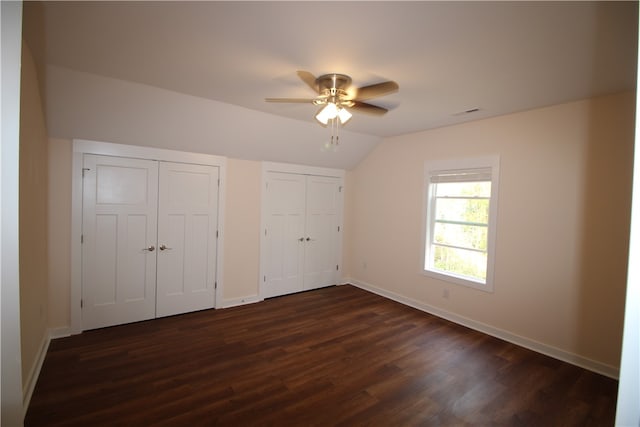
333	82
332	88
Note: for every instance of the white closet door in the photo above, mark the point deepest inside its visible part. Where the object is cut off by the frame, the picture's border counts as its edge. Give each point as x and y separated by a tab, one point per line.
119	238
187	243
321	240
285	238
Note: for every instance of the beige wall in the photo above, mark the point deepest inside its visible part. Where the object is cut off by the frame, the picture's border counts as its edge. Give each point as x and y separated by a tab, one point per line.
563	222
60	152
32	218
349	224
242	229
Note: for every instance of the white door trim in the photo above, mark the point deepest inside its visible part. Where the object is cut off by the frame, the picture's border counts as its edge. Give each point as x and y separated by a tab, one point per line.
82	147
300	170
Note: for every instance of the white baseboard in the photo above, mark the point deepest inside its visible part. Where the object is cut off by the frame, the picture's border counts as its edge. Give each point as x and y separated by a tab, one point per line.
34	373
556	353
59	333
234	302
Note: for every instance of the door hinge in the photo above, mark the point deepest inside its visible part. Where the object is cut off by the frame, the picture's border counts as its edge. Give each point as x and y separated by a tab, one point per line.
265	232
81	303
217	234
337	267
81	238
215	285
340	189
338	229
264	279
85	170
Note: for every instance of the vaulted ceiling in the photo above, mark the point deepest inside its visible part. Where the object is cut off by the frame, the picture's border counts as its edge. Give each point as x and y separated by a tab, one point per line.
447	57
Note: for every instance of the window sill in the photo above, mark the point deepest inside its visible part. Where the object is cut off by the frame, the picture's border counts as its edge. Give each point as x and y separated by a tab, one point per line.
459	280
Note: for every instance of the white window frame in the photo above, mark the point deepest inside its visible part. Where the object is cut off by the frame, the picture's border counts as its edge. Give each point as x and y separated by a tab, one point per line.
438	166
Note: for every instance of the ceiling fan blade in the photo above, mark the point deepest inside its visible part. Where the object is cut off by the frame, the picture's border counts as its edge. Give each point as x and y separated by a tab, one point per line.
368	108
309	79
291	100
376	90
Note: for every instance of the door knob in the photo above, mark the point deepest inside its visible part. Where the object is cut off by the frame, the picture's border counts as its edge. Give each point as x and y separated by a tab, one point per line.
301	239
150	248
164	248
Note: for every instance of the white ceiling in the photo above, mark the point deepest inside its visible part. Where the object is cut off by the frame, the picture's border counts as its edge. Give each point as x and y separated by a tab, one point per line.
447	57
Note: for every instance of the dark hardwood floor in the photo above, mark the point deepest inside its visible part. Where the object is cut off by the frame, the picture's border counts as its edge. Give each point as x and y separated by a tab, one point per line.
334	356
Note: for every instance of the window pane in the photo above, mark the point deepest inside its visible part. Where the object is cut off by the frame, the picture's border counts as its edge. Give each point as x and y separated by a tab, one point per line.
461	262
465	210
466	236
452	189
458	227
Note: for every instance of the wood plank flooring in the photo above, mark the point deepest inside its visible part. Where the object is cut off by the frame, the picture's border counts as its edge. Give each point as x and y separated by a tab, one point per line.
333	356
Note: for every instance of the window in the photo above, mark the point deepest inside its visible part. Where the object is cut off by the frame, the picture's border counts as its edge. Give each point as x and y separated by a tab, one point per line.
460	217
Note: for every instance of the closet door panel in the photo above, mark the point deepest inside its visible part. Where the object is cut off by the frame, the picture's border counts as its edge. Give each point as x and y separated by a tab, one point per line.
174	231
321	224
119	237
187	242
284	234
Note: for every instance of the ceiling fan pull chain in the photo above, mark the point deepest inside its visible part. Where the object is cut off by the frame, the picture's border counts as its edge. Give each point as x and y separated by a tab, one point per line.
332	144
334	133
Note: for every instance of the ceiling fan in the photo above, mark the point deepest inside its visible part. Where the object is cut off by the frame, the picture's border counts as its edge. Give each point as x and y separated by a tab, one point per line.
336	96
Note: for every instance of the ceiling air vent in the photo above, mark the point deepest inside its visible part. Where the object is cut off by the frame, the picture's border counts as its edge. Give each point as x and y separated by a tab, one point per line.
469	111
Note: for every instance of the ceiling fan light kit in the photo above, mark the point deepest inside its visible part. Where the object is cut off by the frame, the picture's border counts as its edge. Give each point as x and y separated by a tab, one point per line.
344	115
330	111
335	96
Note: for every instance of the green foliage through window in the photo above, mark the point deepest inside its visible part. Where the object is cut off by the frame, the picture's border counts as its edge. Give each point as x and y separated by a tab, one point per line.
460	229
